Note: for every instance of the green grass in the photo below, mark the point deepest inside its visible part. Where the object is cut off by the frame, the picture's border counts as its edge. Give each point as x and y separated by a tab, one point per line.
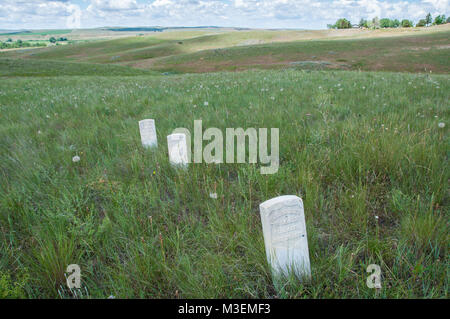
412	53
353	145
21	67
91	51
419	51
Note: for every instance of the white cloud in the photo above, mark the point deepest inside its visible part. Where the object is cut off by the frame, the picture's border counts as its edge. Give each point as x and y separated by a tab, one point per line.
113	5
439	5
243	13
162	3
39	14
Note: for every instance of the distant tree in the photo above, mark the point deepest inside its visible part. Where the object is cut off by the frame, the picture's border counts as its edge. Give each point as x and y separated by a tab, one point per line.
421	23
343	24
440	19
406	23
448	20
376	23
62	39
52	40
385	23
9	40
363	23
428	19
19	42
395	23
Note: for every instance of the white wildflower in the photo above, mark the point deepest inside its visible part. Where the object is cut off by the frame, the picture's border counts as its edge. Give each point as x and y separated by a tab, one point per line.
75	159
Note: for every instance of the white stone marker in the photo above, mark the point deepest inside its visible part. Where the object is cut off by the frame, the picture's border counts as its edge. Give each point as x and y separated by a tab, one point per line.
177	149
284	229
148	133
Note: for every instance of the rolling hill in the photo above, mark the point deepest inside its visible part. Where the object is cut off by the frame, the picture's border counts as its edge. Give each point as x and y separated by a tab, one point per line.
411	50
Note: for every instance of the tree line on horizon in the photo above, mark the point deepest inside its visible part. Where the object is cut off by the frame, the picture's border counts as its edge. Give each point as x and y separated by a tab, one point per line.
384	23
10	44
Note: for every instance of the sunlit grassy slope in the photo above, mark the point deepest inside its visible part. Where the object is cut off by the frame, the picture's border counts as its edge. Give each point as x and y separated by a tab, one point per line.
363	150
412	50
20	67
414	53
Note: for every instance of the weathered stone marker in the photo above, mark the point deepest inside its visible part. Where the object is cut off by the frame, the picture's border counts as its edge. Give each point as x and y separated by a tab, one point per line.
148	133
177	149
284	229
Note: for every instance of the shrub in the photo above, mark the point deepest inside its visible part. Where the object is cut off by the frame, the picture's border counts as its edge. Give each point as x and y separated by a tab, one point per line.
406	23
421	23
343	24
385	23
440	19
395	23
363	23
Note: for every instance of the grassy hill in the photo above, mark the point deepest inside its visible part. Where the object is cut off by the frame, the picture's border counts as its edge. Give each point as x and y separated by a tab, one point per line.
21	67
411	50
414	53
366	151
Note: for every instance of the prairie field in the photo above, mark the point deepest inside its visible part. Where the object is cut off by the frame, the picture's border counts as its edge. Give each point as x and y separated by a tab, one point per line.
363	141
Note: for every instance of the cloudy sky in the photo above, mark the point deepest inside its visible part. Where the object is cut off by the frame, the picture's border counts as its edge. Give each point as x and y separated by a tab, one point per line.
308	14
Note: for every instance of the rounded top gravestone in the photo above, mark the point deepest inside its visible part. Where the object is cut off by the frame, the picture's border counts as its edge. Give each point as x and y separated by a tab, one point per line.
285	238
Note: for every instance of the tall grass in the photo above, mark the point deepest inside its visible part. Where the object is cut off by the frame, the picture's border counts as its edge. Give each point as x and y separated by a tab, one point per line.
363	150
